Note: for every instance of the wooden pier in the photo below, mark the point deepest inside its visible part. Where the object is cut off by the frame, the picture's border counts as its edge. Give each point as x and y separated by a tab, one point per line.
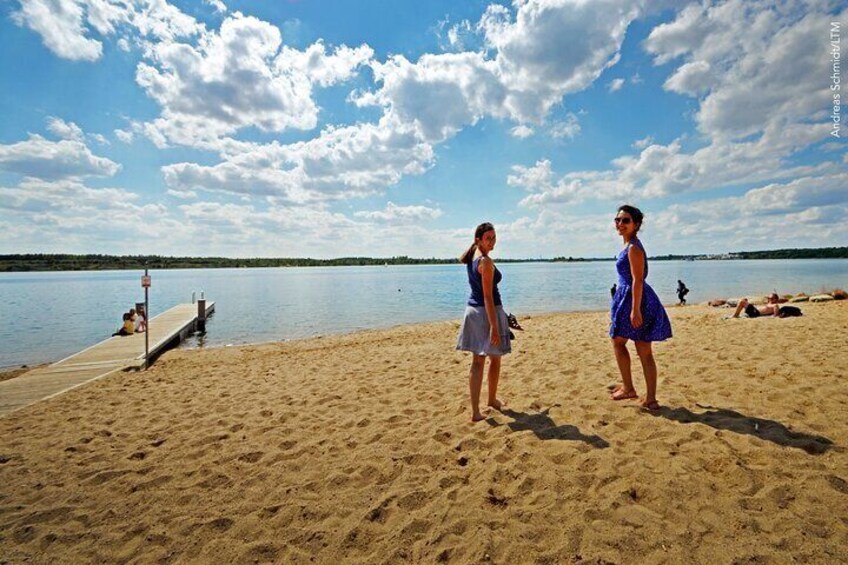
118	353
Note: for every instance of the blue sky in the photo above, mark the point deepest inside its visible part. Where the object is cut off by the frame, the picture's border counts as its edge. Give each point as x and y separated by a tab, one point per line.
318	128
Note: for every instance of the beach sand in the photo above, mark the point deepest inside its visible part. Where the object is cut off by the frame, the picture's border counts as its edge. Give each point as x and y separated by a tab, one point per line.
358	448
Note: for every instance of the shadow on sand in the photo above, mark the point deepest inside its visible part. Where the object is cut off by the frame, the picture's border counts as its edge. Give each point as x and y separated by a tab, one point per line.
545	428
768	430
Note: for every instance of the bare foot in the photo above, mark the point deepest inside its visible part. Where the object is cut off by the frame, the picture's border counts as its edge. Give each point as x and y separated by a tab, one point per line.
624	394
497	404
477	417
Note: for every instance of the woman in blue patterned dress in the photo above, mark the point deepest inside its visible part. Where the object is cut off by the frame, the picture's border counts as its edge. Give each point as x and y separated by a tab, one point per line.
636	311
485	328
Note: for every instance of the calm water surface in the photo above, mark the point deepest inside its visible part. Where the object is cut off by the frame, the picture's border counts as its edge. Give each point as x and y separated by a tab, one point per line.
47	316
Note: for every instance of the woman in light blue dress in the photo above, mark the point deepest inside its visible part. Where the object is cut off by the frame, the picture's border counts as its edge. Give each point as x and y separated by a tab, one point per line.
485	328
635	311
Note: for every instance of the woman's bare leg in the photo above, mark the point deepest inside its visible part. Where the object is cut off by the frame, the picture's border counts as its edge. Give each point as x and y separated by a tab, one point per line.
649	367
475	383
494	377
622	357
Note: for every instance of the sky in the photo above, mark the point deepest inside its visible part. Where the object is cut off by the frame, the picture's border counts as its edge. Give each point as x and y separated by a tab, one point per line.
330	128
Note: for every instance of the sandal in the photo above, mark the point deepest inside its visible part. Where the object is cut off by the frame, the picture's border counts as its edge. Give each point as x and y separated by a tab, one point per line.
652	406
513	322
621	394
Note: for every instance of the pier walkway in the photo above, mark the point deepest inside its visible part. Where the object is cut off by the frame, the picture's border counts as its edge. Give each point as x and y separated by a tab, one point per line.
114	354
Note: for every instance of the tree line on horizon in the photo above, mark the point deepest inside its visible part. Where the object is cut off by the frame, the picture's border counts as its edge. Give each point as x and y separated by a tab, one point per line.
97	262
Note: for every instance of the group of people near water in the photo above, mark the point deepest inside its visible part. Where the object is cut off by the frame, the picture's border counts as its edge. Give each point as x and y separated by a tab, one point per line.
636	314
132	322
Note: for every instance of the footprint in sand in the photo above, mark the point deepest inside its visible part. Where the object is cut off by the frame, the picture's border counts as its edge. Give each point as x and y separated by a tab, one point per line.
106	476
261	553
215	481
269	511
25	534
251	457
837	483
220	524
152	484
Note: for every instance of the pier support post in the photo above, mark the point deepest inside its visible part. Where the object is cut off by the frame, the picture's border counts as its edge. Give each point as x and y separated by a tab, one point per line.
201	315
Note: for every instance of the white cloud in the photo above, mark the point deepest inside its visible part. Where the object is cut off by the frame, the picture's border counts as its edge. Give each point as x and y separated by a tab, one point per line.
542	51
522	131
65	130
568	128
555	47
53	160
692	78
37	195
401	214
462	36
757	64
756	110
644	142
615	84
801	212
126	136
340	163
71	131
182	194
535	178
61	26
660	170
676	38
219	6
65	26
440	94
424	102
239	77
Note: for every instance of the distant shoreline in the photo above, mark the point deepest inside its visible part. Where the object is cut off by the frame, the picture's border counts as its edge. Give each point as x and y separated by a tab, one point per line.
63	262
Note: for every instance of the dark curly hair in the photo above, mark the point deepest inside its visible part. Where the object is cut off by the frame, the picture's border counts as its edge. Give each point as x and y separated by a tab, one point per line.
635	213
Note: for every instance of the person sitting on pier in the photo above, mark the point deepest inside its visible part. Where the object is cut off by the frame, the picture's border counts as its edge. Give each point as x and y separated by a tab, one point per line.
139	320
128	326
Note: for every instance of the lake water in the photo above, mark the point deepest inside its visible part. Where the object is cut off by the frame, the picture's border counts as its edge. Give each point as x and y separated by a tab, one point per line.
47	316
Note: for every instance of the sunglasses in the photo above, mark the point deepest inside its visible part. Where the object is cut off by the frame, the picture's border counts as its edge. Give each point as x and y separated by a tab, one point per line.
624	221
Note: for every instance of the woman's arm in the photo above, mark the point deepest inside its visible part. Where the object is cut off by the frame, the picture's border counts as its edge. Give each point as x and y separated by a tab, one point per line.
637	268
487	271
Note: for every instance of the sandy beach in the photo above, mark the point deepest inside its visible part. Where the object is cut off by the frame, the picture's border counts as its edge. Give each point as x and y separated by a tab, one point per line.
358	448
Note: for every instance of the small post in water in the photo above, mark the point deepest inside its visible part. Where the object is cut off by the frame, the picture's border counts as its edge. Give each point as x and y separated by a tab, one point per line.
201	313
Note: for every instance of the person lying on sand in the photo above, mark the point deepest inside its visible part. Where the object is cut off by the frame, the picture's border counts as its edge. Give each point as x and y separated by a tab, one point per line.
773	308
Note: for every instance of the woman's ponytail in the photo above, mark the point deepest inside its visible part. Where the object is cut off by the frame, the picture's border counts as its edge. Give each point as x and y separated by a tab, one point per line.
468	256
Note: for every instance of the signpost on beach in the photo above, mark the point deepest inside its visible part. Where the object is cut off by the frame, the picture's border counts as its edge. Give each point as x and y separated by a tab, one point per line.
145	283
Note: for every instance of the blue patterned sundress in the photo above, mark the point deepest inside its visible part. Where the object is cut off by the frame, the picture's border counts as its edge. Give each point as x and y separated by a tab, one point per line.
655	323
